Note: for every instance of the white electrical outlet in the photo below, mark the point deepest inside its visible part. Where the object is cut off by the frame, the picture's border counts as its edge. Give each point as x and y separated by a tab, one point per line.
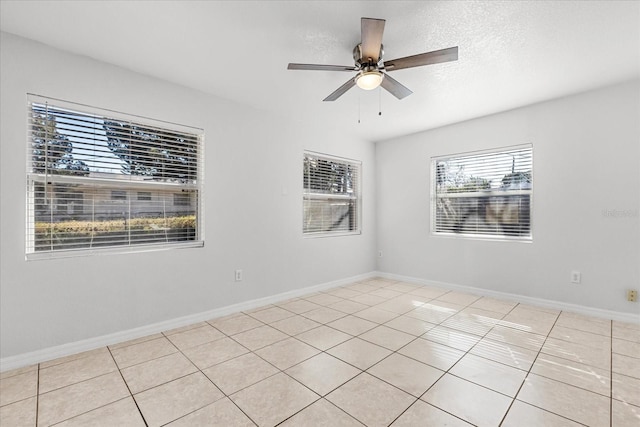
576	277
238	275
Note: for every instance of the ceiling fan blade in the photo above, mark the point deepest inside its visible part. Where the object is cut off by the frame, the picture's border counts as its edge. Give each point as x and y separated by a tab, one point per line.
321	67
435	57
394	87
341	90
372	30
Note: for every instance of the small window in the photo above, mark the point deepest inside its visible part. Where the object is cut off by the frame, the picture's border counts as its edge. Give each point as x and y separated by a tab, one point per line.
69	203
181	199
118	195
144	196
99	180
331	195
485	194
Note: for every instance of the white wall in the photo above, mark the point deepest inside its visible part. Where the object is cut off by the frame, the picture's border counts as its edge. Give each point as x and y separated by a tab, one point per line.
590	143
252	214
586	160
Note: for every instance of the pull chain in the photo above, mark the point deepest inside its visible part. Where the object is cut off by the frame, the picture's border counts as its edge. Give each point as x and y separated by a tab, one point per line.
379	104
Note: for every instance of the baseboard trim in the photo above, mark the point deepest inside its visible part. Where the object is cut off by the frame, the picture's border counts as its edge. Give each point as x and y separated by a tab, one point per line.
43	355
558	305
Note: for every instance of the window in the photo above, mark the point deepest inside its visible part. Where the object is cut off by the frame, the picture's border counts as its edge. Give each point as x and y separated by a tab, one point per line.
118	195
331	195
485	194
100	180
69	203
181	199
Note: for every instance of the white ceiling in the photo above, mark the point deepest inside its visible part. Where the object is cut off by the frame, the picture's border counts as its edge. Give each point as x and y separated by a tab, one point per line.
511	53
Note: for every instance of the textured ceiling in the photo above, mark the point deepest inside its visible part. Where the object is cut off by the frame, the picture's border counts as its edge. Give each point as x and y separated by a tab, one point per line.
511	53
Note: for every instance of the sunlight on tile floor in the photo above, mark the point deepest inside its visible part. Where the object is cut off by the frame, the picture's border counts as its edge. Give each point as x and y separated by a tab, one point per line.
374	353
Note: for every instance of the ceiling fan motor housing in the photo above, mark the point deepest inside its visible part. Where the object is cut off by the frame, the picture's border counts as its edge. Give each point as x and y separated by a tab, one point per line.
363	63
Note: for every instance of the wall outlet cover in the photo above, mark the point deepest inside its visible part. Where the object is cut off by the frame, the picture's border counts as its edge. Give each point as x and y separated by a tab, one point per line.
576	277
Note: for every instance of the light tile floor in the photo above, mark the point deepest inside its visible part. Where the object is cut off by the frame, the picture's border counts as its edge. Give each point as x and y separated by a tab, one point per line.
374	353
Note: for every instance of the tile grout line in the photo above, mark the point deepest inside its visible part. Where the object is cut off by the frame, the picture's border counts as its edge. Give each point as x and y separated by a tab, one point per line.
611	378
144	420
529	372
377	325
393	352
321	397
200	371
178	350
609	369
149	360
515	396
444	372
216	386
79	382
249	351
38	395
89	379
228	396
465	354
283	371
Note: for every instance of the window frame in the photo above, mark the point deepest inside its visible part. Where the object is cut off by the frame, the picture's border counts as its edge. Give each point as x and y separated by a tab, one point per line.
38	181
356	198
181	199
119	195
529	193
144	196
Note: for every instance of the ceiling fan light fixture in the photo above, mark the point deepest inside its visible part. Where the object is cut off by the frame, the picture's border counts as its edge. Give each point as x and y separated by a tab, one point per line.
370	67
369	80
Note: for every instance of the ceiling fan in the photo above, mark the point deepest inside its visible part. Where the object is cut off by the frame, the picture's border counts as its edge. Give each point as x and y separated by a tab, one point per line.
372	70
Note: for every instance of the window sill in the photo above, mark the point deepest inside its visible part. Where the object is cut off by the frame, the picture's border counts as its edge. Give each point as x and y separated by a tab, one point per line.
110	251
460	236
324	234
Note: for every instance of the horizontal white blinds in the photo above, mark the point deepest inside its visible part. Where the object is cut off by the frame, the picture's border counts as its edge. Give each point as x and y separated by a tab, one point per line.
487	194
78	143
331	194
97	181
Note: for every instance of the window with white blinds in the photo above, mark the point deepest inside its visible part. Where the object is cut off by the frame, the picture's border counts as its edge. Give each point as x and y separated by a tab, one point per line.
331	195
102	181
485	194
